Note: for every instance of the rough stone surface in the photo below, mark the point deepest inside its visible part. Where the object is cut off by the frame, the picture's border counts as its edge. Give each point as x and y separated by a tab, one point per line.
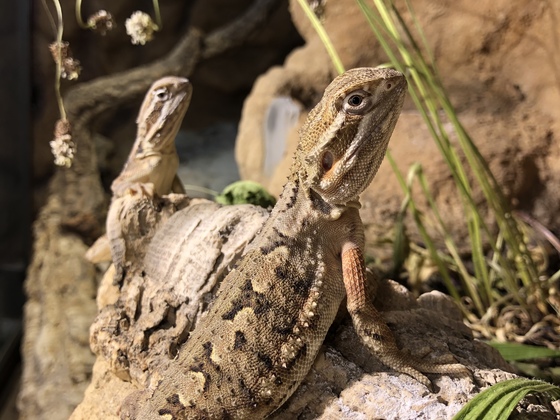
60	288
103	395
346	382
499	63
171	273
175	258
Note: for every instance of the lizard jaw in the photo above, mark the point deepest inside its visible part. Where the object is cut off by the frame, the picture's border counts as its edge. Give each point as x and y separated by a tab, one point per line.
358	140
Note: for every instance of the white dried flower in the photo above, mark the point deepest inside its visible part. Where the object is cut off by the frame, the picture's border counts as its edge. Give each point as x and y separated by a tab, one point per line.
101	21
69	67
62	147
140	27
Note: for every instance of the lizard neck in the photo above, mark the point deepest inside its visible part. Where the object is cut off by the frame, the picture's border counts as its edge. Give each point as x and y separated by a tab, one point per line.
147	148
300	208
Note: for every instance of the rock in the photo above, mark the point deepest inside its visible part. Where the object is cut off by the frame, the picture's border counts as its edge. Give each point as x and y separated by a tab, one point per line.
60	288
172	269
346	382
175	253
171	275
175	257
103	395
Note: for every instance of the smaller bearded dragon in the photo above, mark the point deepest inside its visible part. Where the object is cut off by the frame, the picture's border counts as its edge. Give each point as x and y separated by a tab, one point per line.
151	167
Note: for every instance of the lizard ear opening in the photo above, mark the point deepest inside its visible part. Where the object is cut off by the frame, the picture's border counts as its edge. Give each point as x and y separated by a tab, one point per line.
327	160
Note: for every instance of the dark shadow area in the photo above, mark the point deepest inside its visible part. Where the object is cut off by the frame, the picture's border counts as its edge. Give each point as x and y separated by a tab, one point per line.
15	199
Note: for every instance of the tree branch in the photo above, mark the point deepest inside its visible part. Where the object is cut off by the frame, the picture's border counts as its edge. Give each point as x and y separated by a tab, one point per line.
83	198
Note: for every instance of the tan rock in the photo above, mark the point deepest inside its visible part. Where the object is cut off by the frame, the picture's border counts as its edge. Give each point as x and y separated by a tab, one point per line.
60	287
174	261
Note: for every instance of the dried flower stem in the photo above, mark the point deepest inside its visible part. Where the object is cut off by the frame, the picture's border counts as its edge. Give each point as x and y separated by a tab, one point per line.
49	15
100	22
158	15
79	19
58	71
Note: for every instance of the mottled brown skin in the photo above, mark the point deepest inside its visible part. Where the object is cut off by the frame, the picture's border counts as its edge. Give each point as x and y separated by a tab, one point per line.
273	311
153	158
151	167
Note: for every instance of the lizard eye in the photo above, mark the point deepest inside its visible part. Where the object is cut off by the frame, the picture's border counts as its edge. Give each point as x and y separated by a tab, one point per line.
358	102
327	160
162	94
355	100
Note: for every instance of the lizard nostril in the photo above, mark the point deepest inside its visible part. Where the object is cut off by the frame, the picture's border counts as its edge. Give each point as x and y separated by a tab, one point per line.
389	86
327	160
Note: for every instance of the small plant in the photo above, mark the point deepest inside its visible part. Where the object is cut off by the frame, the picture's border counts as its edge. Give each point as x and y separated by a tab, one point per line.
499	401
139	26
62	146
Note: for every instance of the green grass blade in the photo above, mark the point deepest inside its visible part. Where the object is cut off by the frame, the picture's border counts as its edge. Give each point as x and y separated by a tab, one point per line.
322	35
479	262
515	351
498	401
467	280
428	241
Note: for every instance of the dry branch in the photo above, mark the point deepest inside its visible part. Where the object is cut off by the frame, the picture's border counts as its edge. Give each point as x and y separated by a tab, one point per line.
87	101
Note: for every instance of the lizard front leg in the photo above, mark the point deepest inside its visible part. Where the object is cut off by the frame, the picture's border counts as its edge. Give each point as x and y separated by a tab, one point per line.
373	330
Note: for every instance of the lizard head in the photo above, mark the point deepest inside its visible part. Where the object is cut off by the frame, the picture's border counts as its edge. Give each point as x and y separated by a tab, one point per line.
162	111
344	138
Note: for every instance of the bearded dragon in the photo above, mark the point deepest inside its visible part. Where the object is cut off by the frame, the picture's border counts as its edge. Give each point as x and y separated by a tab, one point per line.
151	167
273	310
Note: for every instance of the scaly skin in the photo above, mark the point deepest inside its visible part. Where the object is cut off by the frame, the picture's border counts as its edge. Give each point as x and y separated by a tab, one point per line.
153	158
273	310
151	167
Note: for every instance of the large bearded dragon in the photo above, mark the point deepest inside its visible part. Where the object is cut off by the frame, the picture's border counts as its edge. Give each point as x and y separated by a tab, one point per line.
273	310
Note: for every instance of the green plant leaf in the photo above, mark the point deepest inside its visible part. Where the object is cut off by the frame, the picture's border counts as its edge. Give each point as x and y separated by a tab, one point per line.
246	192
498	401
322	35
516	351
